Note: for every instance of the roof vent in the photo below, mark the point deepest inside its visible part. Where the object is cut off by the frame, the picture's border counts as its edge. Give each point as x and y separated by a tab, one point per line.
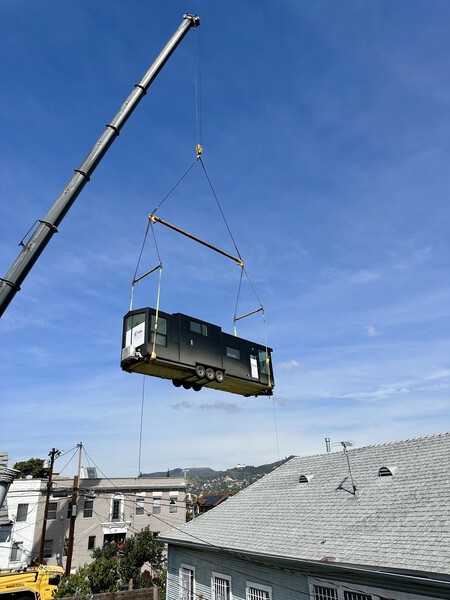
387	471
305	478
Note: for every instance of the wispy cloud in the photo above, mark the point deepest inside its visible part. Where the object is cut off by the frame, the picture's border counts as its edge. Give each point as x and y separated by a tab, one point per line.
371	331
227	407
290	365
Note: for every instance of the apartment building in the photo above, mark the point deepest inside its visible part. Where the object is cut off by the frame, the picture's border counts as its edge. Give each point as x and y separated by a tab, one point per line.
107	510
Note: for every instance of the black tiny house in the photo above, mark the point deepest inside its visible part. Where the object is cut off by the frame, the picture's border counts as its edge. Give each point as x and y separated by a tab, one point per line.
194	354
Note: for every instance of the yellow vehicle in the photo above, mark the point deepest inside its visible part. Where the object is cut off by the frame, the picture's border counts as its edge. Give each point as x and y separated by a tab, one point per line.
34	583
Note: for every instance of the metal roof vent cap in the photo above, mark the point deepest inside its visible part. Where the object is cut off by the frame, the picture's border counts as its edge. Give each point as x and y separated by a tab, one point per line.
305	478
387	471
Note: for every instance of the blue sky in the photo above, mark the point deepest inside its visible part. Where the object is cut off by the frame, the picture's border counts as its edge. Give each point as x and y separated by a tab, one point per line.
326	134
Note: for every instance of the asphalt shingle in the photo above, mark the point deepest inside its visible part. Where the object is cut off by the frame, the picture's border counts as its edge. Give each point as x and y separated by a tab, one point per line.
399	521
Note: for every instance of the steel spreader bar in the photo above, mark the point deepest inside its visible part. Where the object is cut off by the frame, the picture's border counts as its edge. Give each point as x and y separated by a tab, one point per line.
156	219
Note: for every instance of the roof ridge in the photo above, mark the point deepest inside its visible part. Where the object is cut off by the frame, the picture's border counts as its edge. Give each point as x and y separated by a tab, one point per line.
381	445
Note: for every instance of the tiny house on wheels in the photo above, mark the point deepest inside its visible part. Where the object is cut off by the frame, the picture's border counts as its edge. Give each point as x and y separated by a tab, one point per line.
194	354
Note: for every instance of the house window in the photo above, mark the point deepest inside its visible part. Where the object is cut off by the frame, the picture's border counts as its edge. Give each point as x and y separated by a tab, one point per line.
187	579
220	587
22	512
140	504
200	328
88	508
256	591
325	593
233	353
69	510
337	592
117	509
173	506
52	510
91	472
66	546
16	551
263	364
91	542
161	331
156	506
48	548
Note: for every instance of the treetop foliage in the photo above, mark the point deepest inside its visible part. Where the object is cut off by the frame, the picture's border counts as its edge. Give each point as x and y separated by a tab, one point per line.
140	560
33	467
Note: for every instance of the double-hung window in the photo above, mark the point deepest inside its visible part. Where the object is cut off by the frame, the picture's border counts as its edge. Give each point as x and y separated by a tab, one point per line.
187	581
16	551
140	503
220	587
22	512
52	510
88	508
257	591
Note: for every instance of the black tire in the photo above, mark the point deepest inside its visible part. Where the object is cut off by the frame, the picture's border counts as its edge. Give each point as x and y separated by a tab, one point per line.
209	374
187	385
196	387
219	376
200	371
176	382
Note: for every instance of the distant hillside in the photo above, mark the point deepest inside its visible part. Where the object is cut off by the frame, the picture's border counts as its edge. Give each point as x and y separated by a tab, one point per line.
193	471
204	480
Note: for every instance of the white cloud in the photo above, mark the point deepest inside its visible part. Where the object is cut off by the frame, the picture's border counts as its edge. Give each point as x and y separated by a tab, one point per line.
371	331
290	365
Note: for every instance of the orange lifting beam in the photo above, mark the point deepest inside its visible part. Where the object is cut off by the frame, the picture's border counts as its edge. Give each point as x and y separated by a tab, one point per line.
156	219
253	312
145	274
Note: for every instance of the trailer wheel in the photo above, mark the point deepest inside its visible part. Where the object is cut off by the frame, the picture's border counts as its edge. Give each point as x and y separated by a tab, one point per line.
219	376
176	382
196	387
187	385
209	373
200	371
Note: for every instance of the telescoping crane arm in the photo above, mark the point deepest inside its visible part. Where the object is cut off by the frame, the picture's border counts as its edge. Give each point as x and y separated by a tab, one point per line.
32	249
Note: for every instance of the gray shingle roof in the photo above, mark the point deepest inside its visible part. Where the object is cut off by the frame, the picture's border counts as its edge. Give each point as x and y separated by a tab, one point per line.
401	521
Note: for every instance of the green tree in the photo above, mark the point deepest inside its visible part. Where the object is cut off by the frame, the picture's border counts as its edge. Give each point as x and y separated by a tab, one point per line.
141	551
111	568
77	584
34	467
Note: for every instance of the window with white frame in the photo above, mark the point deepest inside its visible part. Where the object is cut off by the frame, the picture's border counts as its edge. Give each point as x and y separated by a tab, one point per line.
257	591
334	591
325	593
117	508
22	512
157	503
88	508
52	510
140	503
187	581
16	551
220	587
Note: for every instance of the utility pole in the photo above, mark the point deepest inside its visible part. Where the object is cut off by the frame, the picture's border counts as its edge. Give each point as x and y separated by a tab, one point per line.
53	454
73	514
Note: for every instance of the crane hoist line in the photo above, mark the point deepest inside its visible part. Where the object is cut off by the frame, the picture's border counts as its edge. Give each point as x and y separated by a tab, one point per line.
47	227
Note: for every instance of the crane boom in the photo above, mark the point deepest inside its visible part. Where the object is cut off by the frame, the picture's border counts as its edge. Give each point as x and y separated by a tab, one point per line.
32	249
